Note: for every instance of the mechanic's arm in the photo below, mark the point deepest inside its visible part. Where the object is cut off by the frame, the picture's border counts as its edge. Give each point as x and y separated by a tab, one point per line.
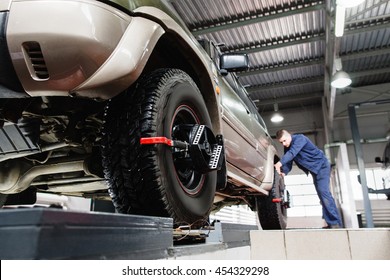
284	166
283	169
295	148
278	167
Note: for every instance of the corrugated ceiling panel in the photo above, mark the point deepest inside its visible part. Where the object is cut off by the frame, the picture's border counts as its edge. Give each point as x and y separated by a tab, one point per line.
205	12
371	80
368	9
365	41
280	38
280	92
276	77
282	29
299	52
369	62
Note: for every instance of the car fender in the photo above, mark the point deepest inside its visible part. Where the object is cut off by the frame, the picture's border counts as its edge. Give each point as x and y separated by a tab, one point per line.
126	62
269	169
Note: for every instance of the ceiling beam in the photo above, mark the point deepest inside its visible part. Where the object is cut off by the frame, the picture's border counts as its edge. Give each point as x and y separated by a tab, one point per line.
318	79
256	18
266	46
363	28
369	72
255	88
281	67
298	98
320	61
278	43
363	54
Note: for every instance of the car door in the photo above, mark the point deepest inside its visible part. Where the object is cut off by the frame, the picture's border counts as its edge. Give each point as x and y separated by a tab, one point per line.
239	123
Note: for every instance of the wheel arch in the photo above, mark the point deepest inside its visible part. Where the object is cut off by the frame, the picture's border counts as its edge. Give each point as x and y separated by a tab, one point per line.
186	58
189	56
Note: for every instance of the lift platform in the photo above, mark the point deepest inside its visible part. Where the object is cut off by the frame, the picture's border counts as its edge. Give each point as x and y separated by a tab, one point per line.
56	234
49	233
46	233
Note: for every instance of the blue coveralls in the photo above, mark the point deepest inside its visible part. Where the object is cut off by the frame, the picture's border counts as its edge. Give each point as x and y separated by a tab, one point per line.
312	160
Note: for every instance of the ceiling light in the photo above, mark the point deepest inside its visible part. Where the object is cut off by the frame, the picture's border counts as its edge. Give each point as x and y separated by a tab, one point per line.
276	117
341	79
340	14
340	21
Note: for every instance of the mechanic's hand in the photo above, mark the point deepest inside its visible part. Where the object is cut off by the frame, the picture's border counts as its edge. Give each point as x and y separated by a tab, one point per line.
278	165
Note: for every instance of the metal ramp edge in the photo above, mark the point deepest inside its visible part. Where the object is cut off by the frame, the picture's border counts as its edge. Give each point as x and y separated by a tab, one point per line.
45	233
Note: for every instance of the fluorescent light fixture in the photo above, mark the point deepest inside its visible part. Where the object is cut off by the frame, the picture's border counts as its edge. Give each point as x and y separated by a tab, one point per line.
341	79
340	21
341	5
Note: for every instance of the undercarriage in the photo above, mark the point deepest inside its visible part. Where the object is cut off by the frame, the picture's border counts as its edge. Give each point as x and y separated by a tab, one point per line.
55	150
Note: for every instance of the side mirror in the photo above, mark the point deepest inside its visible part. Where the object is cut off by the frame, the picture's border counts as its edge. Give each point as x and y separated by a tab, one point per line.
378	160
234	62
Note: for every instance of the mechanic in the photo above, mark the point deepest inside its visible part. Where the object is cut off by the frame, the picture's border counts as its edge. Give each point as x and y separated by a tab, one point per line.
309	158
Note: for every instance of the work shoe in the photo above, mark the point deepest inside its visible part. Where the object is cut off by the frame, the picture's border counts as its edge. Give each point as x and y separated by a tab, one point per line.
331	226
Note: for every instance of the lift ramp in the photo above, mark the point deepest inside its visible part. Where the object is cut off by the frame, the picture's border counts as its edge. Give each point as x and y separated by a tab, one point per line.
55	234
46	233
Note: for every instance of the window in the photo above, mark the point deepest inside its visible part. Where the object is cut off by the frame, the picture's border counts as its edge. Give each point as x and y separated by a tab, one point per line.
376	179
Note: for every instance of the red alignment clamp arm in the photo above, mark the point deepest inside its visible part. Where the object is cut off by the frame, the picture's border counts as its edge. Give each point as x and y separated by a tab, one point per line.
156	140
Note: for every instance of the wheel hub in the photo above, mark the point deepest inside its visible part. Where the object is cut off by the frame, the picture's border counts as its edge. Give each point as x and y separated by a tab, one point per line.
201	150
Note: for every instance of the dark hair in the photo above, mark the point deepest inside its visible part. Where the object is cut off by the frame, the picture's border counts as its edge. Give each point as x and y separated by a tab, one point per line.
280	133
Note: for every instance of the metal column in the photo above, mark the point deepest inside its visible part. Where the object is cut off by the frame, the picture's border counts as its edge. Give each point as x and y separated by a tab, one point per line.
360	162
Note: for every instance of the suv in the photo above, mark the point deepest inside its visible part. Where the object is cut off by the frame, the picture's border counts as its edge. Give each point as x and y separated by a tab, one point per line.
117	100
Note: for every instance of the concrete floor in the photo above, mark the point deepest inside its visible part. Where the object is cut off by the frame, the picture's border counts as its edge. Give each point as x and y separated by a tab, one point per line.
321	244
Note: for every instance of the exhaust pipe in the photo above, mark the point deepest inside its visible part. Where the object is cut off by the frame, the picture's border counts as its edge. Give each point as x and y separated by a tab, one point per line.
12	181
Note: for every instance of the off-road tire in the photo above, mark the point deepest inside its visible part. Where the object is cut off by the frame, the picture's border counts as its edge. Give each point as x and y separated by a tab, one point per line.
272	215
144	179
